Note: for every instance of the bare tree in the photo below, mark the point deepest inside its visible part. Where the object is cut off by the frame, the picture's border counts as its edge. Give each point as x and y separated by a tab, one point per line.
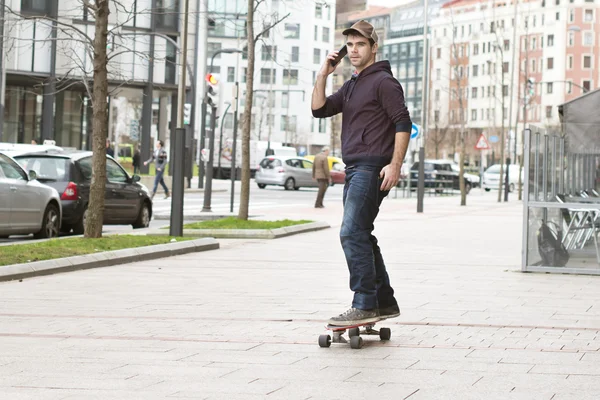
247	116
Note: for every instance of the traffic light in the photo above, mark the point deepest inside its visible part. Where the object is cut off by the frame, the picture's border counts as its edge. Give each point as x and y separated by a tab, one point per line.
212	90
531	87
187	113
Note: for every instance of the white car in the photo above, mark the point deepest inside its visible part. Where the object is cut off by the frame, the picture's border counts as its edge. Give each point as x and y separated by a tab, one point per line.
26	205
473	179
492	175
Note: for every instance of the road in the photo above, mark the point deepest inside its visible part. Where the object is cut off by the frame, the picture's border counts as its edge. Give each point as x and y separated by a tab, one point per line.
260	199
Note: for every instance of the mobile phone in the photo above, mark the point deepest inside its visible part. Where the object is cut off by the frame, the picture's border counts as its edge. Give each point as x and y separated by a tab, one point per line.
341	54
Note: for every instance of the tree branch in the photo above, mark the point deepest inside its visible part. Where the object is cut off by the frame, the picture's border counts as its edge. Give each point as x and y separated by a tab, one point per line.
270	27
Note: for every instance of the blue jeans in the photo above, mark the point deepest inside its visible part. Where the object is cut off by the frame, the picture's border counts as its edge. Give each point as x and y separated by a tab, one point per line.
159	179
369	279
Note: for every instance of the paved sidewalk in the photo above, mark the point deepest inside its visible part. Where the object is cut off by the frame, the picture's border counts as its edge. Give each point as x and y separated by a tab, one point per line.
242	322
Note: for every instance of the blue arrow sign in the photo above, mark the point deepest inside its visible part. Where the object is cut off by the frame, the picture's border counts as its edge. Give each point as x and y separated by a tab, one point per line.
494	139
415	131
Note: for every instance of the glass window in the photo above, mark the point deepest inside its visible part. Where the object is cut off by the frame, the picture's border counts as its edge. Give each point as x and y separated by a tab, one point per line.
270	163
212	49
326	35
295	53
412	69
22	114
230	74
47	168
11	170
322	125
114	173
550	41
318	11
588	15
588	38
290	76
587	62
549	87
85	166
403	50
36	6
267	74
316	56
316	33
167	14
292	31
550	63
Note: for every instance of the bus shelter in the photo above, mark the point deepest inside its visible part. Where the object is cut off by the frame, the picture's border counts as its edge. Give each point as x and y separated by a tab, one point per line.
561	219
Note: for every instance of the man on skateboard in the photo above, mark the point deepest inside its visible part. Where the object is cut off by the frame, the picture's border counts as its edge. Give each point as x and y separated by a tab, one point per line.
376	129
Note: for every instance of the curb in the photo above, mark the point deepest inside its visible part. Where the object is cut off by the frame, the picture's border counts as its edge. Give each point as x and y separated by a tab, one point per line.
105	259
207	216
250	233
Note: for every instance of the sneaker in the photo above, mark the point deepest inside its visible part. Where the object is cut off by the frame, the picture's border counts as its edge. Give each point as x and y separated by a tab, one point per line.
167	196
355	316
389	312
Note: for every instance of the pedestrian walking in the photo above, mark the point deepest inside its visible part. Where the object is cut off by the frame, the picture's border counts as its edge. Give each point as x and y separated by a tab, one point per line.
109	150
135	160
321	174
159	158
376	129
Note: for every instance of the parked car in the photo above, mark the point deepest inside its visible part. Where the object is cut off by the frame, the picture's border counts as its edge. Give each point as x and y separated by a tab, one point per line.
26	205
126	200
290	172
492	174
438	174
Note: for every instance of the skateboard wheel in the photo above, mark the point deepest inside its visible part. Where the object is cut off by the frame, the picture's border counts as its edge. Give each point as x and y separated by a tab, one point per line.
356	342
385	333
353	332
324	341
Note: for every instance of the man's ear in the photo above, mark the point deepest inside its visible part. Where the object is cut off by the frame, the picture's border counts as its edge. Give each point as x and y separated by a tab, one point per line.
374	48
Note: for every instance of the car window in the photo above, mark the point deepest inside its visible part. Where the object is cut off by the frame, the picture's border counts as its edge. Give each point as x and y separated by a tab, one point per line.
293	162
85	166
307	164
11	169
270	163
115	173
47	168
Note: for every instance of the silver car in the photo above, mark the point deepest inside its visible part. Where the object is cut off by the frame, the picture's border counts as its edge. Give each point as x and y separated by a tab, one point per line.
290	172
26	205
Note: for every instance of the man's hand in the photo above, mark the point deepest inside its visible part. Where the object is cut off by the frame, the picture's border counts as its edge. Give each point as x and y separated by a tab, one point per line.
390	174
145	162
158	169
327	69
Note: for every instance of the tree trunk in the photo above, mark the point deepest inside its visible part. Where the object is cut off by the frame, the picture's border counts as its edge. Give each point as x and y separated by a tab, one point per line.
247	117
95	213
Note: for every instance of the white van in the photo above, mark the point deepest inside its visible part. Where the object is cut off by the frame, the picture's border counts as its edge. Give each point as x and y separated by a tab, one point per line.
492	174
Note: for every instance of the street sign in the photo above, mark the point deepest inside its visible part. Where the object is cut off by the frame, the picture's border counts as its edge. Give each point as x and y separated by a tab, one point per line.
416	129
482	143
134	130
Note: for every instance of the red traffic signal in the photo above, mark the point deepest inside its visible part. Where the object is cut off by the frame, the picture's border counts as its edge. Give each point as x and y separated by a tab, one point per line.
212	79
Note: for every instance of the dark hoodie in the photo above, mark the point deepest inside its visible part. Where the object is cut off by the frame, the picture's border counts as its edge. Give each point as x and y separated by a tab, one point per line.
373	110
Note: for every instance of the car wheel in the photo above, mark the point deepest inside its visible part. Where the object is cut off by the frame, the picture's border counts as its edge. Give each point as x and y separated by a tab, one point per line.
79	226
143	219
290	184
50	223
511	187
331	184
467	187
261	185
487	189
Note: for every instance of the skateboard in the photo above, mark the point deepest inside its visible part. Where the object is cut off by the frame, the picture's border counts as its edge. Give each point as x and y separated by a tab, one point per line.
354	332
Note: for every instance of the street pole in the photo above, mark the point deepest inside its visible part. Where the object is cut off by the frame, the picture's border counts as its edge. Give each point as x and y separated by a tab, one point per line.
176	225
421	182
512	83
233	174
201	46
2	71
211	158
221	141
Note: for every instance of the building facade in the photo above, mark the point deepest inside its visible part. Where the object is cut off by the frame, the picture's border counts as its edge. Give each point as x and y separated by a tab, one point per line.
287	58
48	69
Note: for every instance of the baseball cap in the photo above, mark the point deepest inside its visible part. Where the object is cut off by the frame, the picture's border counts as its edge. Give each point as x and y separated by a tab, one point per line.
364	29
